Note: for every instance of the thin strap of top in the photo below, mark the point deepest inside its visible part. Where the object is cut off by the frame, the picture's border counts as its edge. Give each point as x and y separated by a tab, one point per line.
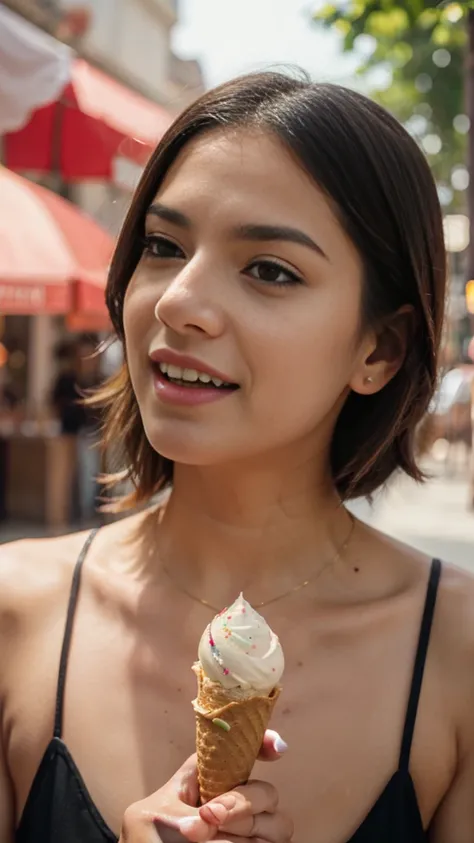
76	581
420	661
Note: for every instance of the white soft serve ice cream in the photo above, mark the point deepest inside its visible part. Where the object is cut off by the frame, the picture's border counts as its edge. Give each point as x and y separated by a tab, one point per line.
239	650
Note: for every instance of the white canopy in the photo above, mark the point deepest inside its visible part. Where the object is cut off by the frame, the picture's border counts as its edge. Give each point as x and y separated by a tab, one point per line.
34	69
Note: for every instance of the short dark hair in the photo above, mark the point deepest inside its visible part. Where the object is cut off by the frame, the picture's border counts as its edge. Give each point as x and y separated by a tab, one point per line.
382	190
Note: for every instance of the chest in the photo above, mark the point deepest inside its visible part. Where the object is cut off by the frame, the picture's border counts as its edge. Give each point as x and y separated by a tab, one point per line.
128	721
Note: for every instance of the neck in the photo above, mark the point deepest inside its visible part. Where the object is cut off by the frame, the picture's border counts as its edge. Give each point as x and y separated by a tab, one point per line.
262	529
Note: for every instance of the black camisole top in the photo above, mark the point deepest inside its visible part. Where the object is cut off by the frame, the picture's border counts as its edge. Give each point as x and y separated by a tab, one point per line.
59	808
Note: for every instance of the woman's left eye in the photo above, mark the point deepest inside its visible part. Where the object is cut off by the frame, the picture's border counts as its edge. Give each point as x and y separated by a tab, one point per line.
269	272
157	246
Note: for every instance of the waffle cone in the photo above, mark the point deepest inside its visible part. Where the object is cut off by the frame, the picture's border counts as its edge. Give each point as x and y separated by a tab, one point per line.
225	758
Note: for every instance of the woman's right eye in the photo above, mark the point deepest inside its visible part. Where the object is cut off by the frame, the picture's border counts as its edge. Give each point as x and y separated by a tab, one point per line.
157	246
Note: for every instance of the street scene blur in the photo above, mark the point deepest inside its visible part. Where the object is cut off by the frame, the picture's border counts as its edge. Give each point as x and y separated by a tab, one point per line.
86	91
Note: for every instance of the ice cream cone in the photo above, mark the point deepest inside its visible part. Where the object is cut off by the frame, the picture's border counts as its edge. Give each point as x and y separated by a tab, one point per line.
230	725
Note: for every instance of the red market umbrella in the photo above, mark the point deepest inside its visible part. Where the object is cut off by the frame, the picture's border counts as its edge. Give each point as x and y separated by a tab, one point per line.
95	120
53	257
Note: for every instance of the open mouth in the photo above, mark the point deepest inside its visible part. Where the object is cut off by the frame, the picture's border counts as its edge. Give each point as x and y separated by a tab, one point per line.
191	378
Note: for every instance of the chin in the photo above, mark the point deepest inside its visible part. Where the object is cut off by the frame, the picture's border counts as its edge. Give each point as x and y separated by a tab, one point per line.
173	442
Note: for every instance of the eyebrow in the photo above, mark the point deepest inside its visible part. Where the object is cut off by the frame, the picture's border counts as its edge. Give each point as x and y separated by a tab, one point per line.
251	231
279	232
169	215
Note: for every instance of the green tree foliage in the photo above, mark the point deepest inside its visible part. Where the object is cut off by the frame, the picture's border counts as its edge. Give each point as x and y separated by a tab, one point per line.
422	44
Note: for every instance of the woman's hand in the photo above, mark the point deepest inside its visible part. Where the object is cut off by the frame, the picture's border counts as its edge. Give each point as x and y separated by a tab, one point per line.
172	816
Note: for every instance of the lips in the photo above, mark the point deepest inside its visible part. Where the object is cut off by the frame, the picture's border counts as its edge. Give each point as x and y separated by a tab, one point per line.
187	394
191	377
188	370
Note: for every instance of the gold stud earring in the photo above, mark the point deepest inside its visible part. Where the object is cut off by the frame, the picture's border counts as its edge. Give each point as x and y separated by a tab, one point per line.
368	379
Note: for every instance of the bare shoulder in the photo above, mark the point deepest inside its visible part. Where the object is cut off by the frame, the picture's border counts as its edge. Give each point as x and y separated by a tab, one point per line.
453	640
452	634
455	612
30	567
34	573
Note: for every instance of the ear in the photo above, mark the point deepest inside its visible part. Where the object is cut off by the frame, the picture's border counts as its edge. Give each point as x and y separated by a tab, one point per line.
383	352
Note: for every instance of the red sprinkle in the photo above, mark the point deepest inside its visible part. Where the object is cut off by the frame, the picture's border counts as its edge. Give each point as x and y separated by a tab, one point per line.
226	672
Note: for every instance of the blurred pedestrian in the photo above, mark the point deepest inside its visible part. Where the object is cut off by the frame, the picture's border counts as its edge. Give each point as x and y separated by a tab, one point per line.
79	372
278	288
88	376
65	396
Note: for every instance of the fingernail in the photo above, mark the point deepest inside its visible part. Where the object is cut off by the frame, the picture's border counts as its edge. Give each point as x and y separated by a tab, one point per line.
280	745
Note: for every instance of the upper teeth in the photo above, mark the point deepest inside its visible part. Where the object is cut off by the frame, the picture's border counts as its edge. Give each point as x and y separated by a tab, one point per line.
188	374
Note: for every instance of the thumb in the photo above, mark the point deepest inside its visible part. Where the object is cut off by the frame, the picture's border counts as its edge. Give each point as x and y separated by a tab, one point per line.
185	781
190	824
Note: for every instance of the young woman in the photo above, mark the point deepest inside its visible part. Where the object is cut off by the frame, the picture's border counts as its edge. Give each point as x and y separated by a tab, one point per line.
278	287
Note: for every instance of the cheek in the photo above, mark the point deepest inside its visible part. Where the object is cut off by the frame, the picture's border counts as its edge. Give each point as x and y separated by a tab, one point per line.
134	307
139	309
138	323
313	348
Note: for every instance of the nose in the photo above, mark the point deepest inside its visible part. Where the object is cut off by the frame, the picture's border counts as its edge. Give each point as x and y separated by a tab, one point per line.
190	303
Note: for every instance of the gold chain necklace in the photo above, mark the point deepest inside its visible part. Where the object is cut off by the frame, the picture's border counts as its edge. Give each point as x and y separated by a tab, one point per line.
329	563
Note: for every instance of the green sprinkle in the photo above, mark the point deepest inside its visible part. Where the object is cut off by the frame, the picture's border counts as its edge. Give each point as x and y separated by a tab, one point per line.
222	724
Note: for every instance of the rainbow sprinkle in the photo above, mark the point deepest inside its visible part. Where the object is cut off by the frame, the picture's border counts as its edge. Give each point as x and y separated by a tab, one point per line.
223	619
222	724
215	652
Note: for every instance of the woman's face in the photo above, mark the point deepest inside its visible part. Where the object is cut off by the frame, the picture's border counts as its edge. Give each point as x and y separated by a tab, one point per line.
247	271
